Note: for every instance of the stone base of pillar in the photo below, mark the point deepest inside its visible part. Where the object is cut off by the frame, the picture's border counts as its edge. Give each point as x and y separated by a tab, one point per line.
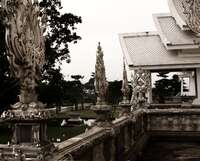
27	112
22	152
104	112
125	108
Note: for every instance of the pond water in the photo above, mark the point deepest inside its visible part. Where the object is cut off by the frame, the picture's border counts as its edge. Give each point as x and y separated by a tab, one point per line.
55	131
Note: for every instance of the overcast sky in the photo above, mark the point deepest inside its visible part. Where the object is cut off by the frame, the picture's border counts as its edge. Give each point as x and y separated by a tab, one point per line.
103	20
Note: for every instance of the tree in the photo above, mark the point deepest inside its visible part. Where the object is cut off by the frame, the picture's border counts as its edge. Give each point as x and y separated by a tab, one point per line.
77	90
165	87
114	92
60	32
89	90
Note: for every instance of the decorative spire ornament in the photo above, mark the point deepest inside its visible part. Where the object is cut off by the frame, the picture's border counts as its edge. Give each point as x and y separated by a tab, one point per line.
102	109
101	83
125	87
125	104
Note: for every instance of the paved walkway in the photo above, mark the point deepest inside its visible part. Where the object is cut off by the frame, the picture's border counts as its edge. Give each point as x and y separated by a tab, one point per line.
172	151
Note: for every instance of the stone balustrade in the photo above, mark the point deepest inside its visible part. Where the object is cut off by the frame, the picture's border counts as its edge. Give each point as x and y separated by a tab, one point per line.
123	139
110	143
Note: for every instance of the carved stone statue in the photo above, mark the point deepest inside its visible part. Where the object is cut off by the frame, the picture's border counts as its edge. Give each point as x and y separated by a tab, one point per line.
140	84
192	12
101	84
25	46
125	87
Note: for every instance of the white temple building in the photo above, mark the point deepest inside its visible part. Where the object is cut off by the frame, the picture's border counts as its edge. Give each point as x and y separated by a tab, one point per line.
174	47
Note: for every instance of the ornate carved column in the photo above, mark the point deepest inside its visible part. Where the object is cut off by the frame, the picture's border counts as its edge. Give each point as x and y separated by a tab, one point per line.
25	49
102	109
125	104
141	85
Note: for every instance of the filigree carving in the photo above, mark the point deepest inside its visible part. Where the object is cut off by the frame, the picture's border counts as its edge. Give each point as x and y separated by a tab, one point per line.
25	44
140	85
192	12
101	83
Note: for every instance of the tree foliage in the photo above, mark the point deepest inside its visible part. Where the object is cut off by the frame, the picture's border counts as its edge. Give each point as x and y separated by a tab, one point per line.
166	88
114	92
61	30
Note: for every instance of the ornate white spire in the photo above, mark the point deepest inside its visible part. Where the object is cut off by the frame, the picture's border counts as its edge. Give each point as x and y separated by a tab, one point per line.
101	84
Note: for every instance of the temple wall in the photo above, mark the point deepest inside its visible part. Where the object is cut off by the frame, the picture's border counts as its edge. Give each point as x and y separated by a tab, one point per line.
197	100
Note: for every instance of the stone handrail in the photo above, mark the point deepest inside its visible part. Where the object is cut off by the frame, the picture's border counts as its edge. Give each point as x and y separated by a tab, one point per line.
97	138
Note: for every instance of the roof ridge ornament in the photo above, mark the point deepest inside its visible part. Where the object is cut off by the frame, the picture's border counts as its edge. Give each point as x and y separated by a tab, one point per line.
192	12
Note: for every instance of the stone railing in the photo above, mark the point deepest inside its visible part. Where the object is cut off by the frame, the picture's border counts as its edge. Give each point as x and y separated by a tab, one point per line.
126	136
173	122
122	140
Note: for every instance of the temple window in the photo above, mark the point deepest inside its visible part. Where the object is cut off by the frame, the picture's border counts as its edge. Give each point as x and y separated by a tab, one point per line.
173	86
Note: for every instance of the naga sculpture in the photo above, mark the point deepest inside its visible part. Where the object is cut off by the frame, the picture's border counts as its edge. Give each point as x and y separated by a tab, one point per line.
101	84
192	12
25	46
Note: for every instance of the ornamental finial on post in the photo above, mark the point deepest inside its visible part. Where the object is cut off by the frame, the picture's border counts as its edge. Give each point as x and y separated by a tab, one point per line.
25	46
101	83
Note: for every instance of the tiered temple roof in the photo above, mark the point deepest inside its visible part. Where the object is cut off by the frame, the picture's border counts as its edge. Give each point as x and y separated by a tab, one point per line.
173	46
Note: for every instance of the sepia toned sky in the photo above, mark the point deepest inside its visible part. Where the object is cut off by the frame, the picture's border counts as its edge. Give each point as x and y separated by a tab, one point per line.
103	20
